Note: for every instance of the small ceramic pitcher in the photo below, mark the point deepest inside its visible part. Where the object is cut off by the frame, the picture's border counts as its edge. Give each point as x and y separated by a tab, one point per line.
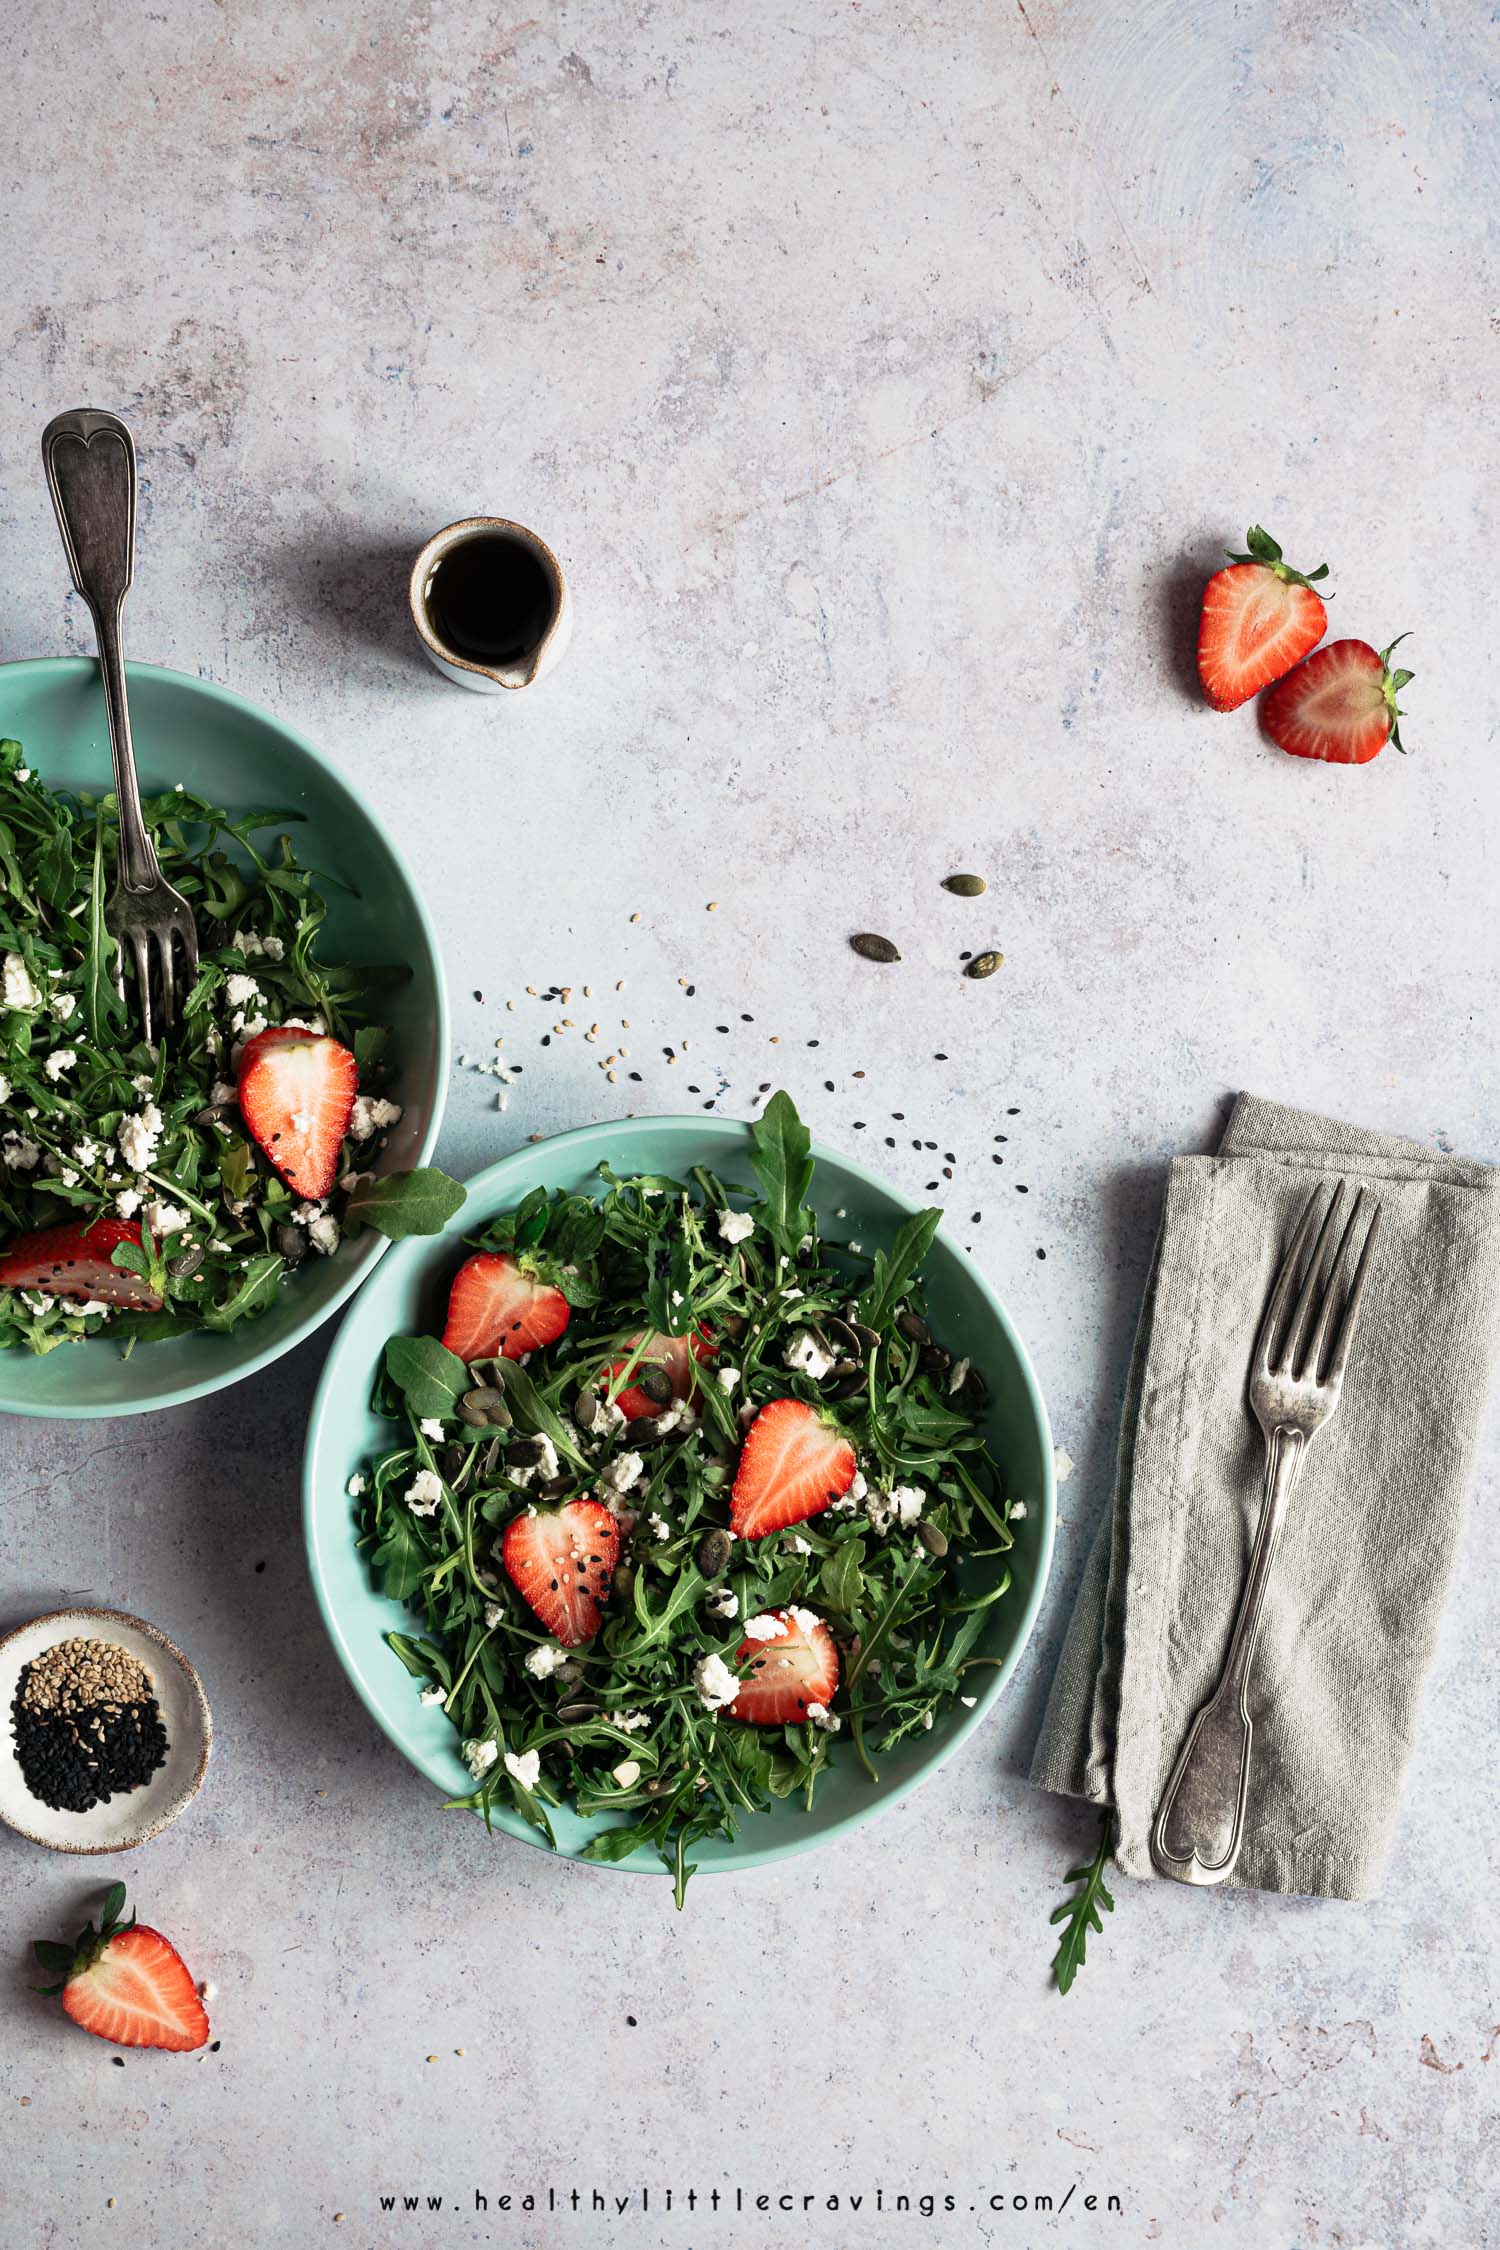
545	633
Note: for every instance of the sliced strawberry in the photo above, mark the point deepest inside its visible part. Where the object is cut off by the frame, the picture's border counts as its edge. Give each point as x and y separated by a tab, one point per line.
297	1090
1340	705
1260	617
73	1261
560	1561
676	1356
799	1666
496	1309
127	1984
792	1464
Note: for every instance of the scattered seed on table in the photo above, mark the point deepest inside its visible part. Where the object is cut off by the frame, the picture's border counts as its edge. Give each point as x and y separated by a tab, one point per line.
765	1085
721	1027
940	1058
871	947
713	906
965	886
889	1142
984	964
976	1218
635	917
1012	1113
930	1187
1041	1253
1022	1190
828	1085
479	996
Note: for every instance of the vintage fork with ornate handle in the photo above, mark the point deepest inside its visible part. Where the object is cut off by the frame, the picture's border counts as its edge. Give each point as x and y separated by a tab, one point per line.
1295	1385
90	463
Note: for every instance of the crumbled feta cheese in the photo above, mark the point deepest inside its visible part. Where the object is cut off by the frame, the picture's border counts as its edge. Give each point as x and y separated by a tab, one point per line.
527	1769
806	1620
128	1202
21	989
629	1722
492	1614
806	1356
628	1772
63	1004
480	1756
958	1376
92	1305
20	1154
797	1545
433	1694
241	991
621	1473
60	1061
164	1218
430	1426
660	1528
543	1469
542	1662
4	1088
424	1492
769	1626
826	1721
968	1701
1016	1512
138	1136
723	1602
67	1175
357	1484
323	1233
908	1501
371	1115
223	1094
736	1226
728	1377
601	1417
716	1684
86	1151
1063	1463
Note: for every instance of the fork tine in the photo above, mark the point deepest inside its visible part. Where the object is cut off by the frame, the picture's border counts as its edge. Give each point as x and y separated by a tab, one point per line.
164	956
189	936
1285	1281
1339	1359
1291	1352
1307	1367
142	954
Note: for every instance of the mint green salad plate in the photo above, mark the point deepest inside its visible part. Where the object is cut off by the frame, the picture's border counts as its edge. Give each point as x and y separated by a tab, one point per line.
213	741
408	1295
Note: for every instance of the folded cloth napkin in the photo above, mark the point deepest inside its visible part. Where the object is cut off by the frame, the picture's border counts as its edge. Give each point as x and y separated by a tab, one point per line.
1359	1578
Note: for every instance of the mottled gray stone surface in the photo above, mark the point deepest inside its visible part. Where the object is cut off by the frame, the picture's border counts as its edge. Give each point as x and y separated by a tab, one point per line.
886	378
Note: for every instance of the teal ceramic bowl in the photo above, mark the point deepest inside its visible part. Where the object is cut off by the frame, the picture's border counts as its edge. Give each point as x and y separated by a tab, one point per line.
409	1295
190	731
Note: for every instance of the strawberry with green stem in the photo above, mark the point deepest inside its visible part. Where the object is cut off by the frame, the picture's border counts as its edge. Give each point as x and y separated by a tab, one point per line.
1260	617
1340	705
125	1983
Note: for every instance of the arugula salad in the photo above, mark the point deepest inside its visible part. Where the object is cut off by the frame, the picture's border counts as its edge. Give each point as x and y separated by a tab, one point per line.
147	1193
689	1501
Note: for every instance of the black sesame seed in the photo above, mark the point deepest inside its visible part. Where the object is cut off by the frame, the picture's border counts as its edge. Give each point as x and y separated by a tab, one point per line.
1022	1190
828	1085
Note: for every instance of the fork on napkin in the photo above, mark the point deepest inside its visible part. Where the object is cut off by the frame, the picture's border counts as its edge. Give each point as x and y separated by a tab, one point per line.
1351	1611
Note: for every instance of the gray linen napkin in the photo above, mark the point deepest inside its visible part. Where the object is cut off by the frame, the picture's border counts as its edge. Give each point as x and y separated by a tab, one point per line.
1365	1557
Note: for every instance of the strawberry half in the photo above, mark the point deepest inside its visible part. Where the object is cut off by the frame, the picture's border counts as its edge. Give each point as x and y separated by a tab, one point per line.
798	1667
560	1561
676	1356
1340	705
73	1261
297	1090
497	1309
792	1464
127	1984
1260	617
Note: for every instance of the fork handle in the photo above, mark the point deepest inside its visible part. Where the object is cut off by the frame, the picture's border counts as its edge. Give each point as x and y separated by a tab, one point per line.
89	458
1201	1819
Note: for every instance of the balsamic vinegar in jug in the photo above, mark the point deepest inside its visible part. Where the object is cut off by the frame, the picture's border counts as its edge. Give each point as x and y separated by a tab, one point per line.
490	599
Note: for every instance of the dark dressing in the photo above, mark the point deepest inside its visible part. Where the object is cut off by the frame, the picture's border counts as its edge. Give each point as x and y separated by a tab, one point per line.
490	600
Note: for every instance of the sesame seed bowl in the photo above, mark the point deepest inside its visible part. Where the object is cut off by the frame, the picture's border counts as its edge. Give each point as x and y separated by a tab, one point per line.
117	1650
191	732
407	1296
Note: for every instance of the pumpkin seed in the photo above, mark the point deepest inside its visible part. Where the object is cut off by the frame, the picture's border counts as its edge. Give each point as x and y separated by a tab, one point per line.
933	1360
913	1326
624	1582
873	948
731	1324
655	1383
646	1430
846	1387
525	1452
869	1337
714	1550
188	1261
845	1335
292	1243
571	1712
984	964
453	1459
494	1456
932	1539
485	1404
965	886
556	1486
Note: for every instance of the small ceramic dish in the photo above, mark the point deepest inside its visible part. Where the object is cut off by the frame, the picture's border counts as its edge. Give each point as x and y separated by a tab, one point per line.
134	1816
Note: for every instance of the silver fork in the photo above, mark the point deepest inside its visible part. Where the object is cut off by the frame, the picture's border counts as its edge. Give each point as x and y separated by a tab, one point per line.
1295	1385
90	463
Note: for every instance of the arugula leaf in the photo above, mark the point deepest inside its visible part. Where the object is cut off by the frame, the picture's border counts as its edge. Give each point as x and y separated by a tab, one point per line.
896	1268
430	1378
1081	1912
533	1412
262	1274
841	1579
781	1159
404	1203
